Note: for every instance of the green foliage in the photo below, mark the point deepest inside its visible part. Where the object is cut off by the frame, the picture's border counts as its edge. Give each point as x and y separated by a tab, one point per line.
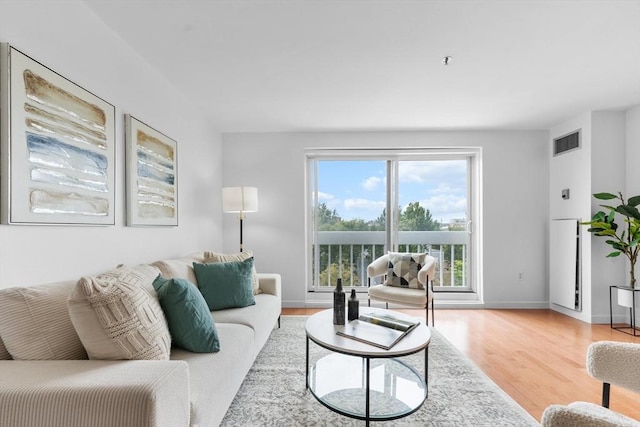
417	218
458	269
327	219
333	271
623	240
413	218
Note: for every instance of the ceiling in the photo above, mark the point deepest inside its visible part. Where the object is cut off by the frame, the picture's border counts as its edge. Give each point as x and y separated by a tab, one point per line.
319	65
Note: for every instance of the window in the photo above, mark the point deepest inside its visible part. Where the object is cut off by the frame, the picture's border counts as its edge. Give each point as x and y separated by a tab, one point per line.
363	203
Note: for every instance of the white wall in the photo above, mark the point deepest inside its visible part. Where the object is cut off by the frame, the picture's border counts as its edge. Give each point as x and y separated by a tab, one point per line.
515	185
633	150
572	170
67	37
608	175
607	162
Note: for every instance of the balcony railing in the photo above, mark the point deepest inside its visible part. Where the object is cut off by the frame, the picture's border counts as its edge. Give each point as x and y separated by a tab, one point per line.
347	254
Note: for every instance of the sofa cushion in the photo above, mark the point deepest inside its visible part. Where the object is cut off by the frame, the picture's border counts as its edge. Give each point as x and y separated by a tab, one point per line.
4	353
403	269
226	284
118	316
225	371
180	267
210	256
190	322
261	317
35	323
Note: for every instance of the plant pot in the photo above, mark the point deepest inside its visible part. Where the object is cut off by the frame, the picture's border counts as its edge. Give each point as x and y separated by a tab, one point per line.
625	297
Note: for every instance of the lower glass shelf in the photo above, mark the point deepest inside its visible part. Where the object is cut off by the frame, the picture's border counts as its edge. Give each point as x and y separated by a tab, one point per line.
339	382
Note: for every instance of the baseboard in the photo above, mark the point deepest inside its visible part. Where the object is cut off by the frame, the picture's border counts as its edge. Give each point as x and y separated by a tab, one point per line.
296	304
446	304
605	320
525	305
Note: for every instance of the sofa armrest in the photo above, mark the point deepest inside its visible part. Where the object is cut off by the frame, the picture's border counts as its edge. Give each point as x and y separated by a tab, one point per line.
94	393
584	414
270	283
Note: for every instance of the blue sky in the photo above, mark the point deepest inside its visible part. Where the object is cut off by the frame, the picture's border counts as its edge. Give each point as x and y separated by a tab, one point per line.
356	189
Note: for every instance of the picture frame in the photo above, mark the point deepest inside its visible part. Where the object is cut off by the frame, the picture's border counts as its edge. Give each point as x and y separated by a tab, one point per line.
151	175
57	147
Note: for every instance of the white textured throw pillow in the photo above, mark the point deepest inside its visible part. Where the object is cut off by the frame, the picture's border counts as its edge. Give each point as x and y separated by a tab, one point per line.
210	256
117	315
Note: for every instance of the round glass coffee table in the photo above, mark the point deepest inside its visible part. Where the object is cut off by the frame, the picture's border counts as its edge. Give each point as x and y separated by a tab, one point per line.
362	381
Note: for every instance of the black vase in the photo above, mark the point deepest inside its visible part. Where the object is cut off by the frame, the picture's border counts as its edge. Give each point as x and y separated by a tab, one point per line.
354	306
338	304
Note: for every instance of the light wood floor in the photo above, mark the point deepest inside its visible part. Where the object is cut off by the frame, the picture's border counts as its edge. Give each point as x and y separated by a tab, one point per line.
536	356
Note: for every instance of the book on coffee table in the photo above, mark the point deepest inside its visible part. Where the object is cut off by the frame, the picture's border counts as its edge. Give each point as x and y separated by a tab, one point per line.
377	329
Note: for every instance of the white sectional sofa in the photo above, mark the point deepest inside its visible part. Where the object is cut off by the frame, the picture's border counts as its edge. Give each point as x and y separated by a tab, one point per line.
55	388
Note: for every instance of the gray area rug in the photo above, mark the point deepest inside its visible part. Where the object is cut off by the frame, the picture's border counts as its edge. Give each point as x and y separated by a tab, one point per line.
274	393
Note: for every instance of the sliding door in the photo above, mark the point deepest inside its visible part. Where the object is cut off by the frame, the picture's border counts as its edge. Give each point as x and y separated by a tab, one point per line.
365	203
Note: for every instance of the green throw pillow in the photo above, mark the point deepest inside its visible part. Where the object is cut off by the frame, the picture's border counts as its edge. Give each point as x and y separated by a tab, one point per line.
190	322
226	284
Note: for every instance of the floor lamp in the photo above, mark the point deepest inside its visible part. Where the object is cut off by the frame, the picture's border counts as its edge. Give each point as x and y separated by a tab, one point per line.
240	200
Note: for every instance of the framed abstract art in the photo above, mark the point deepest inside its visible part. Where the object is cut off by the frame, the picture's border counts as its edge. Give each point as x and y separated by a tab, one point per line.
152	175
57	147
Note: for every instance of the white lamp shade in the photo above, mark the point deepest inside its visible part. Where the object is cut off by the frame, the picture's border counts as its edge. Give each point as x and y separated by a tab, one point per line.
240	199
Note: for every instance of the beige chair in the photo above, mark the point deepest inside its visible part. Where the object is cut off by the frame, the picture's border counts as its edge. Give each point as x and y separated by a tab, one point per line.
611	362
411	297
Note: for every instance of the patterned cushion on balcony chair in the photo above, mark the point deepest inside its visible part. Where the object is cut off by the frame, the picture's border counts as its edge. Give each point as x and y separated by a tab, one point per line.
403	268
404	295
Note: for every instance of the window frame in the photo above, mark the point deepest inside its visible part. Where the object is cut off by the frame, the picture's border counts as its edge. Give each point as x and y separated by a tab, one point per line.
474	201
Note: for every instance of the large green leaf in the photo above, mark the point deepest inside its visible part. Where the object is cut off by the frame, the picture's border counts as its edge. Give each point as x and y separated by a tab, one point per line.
619	246
629	211
605	196
595	230
613	254
634	201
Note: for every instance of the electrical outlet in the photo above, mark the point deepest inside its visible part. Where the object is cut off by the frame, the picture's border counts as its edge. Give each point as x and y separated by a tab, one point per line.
520	275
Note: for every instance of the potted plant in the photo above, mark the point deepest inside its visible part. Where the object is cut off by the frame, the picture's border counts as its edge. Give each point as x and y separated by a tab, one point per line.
623	239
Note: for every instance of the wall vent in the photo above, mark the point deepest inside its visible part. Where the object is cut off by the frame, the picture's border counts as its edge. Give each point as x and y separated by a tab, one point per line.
566	143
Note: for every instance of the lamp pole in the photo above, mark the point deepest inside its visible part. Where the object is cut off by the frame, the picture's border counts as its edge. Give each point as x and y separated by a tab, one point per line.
241	218
240	200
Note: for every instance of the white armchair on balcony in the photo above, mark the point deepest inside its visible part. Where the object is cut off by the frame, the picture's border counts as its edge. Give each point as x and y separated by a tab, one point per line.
409	284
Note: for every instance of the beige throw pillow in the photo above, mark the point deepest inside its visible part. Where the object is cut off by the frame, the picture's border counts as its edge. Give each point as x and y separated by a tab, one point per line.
35	323
179	267
210	256
118	316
